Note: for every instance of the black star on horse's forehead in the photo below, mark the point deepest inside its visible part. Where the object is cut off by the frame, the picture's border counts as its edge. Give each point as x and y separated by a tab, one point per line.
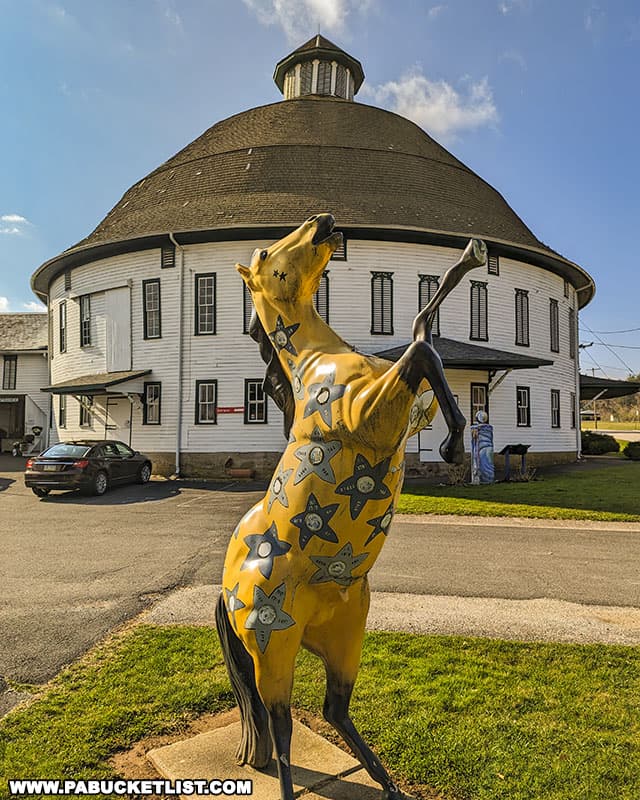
233	602
365	484
380	524
281	336
314	521
263	549
337	568
322	395
315	458
267	615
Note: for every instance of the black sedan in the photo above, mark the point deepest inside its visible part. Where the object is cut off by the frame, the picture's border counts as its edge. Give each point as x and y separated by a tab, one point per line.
89	465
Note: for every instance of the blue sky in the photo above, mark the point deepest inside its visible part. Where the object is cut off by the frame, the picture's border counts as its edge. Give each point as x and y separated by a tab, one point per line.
541	98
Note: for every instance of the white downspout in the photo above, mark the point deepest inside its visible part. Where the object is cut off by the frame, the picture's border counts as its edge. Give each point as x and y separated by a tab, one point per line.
180	249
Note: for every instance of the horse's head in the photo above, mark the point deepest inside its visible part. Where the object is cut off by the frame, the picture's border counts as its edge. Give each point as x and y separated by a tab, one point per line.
290	269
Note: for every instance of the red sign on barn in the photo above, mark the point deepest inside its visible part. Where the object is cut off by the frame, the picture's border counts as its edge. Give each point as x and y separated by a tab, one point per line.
231	410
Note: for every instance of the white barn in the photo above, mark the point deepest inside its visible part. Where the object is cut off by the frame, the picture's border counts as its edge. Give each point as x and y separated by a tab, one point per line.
149	318
23	360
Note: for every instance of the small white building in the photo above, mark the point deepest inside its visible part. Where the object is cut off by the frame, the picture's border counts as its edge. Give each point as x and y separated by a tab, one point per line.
149	318
25	371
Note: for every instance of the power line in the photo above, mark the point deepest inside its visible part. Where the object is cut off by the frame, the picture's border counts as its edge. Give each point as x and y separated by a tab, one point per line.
620	359
627	330
595	362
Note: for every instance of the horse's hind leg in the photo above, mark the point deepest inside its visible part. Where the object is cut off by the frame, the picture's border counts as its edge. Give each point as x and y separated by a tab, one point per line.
421	361
339	644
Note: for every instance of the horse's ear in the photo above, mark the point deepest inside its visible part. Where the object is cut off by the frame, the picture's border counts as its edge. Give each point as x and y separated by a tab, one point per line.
276	383
246	274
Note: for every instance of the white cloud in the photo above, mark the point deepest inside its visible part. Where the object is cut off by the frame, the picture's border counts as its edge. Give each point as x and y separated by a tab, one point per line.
435	11
515	56
507	6
437	106
34	306
300	19
594	20
4	304
14	224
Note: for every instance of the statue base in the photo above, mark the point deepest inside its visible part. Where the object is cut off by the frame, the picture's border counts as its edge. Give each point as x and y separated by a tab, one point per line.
316	765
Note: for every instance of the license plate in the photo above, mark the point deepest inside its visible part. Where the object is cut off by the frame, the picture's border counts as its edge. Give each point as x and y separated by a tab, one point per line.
50	467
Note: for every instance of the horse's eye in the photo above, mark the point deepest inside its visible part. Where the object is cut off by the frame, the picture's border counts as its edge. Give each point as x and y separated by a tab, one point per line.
263	255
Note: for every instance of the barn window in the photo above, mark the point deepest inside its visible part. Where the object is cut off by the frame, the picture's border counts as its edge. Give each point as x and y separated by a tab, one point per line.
555	408
341	81
427	287
167	256
85	320
324	78
151	309
255	402
62	411
206	402
9	372
566	288
523	406
572	397
479	399
62	326
151	408
290	84
306	77
67	280
493	265
205	304
572	333
522	317
321	297
382	302
479	311
247	308
554	327
86	411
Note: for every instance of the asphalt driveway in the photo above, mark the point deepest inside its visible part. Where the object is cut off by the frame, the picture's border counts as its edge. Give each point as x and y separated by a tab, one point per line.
74	567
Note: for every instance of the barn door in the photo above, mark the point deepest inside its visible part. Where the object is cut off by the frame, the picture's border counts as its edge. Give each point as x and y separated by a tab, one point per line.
118	329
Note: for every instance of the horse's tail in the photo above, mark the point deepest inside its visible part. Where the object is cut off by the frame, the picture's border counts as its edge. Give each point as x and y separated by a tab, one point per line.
474	255
255	746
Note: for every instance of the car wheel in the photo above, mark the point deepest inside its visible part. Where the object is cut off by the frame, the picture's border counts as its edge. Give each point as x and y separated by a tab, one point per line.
145	473
100	483
39	491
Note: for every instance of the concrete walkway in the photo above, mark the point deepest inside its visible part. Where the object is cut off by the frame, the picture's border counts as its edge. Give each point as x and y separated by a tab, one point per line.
520	620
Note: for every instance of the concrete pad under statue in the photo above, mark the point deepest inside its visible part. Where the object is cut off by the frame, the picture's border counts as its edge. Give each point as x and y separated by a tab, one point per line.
212	755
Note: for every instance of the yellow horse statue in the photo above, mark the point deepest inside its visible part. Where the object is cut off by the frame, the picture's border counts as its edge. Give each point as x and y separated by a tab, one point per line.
295	572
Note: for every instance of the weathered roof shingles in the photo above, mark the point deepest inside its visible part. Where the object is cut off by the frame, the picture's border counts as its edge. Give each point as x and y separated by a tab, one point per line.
23	332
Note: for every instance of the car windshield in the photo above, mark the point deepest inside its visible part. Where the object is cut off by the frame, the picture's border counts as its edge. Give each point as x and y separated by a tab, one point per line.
67	450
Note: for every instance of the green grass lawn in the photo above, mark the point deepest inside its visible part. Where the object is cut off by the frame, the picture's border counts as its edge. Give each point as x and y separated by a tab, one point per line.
474	719
609	493
605	425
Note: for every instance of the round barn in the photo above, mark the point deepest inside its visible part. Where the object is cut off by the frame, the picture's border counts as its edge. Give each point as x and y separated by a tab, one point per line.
149	319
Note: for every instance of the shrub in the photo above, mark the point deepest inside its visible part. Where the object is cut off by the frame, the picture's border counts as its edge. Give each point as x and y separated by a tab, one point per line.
596	444
632	451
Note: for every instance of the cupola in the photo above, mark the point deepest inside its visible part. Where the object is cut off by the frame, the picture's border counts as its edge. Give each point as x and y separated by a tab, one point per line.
319	67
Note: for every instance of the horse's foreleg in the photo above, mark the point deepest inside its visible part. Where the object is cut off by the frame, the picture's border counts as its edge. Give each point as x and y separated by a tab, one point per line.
339	644
421	361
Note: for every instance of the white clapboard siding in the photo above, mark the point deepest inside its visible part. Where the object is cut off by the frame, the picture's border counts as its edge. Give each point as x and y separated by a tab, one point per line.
229	356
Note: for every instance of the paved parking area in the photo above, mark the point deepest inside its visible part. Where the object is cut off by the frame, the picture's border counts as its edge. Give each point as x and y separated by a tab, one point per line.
74	567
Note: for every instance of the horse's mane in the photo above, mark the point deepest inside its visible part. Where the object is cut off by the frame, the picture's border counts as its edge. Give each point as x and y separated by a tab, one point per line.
276	383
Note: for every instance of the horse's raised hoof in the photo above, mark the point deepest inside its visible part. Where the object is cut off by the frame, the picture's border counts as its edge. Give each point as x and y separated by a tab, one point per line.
475	254
452	449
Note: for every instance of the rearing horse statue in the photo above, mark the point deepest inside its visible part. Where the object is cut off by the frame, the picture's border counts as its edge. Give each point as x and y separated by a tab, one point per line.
296	568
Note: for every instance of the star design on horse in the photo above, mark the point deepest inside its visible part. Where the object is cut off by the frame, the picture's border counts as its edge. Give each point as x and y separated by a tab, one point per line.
267	615
322	395
337	568
233	602
263	549
314	521
315	458
277	488
365	484
296	378
380	524
281	337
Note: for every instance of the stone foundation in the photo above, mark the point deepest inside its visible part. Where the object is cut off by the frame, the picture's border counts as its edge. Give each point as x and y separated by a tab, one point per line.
218	465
